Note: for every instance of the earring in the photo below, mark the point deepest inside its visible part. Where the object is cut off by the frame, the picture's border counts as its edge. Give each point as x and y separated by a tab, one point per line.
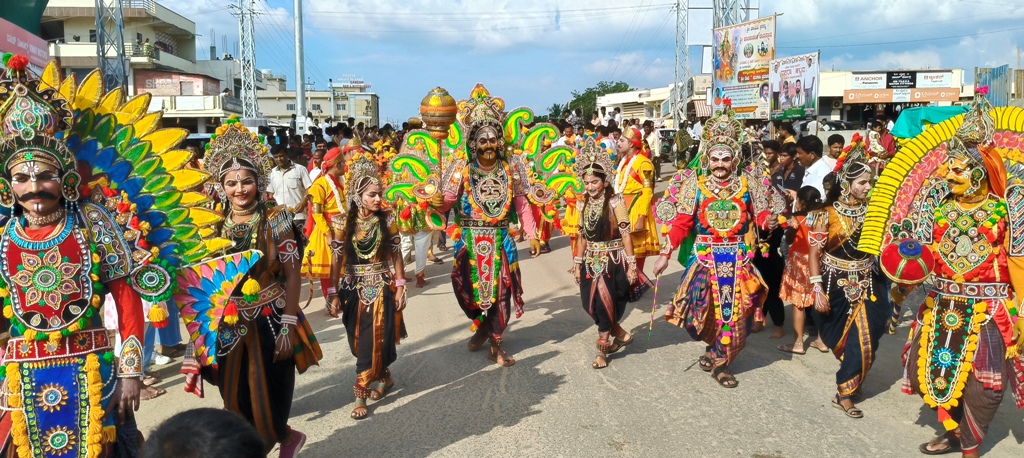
6	194
69	185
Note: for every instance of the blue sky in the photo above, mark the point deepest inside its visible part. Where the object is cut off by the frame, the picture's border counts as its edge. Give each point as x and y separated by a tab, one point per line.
536	52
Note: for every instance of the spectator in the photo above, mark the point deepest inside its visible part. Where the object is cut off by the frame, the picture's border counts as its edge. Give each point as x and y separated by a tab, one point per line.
787	133
618	116
288	184
202	433
808	153
835	148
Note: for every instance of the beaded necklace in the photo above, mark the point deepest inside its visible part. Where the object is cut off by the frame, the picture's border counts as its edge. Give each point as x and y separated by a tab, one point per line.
592	217
368	238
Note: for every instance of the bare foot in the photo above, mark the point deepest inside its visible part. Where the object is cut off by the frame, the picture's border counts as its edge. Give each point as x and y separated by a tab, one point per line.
778	333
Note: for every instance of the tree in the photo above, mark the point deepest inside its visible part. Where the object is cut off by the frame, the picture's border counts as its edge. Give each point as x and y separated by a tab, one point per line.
586	101
555	111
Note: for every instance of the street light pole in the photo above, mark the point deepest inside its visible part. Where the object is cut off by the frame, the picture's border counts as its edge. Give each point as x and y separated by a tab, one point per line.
330	85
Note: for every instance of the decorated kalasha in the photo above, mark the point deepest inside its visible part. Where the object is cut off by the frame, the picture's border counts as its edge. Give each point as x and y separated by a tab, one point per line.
947	208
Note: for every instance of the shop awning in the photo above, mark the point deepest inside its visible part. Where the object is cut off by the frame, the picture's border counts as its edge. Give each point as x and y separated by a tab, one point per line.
702	108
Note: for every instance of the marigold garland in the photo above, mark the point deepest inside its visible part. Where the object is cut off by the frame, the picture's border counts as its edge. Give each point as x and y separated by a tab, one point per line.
926	344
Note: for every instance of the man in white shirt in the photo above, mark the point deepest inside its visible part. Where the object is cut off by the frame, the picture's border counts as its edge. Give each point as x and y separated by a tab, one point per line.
618	116
568	138
289	183
808	153
696	131
604	116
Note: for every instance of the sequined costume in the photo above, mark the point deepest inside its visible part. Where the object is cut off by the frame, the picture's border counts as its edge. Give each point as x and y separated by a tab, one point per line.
123	226
721	292
250	382
951	210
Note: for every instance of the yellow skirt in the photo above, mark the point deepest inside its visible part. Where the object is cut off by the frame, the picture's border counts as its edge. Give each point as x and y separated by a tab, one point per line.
316	262
571	221
645	242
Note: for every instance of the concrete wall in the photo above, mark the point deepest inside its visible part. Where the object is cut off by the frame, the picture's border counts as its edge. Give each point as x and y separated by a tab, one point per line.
167	83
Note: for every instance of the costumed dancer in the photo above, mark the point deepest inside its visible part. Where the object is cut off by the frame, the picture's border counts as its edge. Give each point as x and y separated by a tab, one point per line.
953	217
721	293
94	210
634	181
327	201
603	264
369	295
263	337
851	306
487	189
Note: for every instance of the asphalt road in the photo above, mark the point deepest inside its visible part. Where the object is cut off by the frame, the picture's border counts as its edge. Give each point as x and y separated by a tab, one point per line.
652	400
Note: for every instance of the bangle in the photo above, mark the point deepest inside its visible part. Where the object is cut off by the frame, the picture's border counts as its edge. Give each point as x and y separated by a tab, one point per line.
400	282
577	259
816	279
289	319
331	290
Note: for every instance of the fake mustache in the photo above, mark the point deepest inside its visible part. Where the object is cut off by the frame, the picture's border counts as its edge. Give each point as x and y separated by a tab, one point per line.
36	195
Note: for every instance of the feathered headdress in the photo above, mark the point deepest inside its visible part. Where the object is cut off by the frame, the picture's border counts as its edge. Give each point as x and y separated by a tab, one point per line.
592	157
234	147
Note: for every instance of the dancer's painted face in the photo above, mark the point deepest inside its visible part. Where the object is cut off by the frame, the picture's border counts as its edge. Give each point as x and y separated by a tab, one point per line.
487	143
36	186
861	186
720	163
958	175
240	187
593	184
371	198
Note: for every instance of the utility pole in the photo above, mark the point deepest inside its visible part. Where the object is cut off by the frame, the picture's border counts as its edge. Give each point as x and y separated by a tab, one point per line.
682	76
247	37
110	44
330	85
300	72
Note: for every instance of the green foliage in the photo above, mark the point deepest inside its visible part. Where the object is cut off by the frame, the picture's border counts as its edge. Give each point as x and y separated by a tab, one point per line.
586	101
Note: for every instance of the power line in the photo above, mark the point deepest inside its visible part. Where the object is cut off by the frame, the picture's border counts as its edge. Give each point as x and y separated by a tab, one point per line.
624	44
861	45
482	15
283	32
638	72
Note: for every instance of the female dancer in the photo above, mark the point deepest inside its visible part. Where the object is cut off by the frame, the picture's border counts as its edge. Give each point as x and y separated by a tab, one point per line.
604	265
849	295
263	337
369	295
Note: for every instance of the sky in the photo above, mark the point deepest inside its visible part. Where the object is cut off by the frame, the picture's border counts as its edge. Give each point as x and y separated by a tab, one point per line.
536	52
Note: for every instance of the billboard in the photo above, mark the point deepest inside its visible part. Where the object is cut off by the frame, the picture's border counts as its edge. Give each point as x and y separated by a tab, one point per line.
917	95
16	40
902	80
794	87
741	59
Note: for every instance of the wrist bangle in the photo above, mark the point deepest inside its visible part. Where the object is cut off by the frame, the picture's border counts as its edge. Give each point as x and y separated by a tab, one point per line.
331	290
816	279
399	282
289	320
577	259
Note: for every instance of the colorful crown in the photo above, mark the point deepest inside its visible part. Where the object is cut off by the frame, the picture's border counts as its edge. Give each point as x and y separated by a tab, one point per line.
31	118
978	126
592	157
481	108
853	153
363	171
234	147
721	133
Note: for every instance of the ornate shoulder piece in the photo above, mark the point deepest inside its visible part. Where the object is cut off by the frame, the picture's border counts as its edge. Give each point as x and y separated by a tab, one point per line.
519	176
680	197
280	221
618	207
451	178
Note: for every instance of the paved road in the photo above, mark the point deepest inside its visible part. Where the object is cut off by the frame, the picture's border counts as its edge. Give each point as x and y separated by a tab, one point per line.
651	401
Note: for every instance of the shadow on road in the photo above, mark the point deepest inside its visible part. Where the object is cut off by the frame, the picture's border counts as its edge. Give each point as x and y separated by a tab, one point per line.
466	406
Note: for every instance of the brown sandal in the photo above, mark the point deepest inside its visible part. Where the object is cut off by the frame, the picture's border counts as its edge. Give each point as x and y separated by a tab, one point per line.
477	340
360	411
382	387
600	362
499	356
149	393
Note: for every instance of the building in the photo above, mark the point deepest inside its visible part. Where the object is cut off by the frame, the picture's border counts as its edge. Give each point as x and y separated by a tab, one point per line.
642	104
350	99
858	97
161	47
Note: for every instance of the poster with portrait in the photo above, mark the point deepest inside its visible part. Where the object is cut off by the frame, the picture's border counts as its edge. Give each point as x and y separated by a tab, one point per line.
741	58
794	87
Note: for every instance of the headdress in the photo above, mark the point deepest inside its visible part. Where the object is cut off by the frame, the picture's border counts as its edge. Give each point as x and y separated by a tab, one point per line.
353	144
363	171
332	157
480	109
235	147
592	157
634	136
853	153
32	117
972	141
722	132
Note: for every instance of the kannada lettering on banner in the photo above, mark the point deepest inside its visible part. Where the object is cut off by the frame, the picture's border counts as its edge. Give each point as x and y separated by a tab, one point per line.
742	55
900	80
794	87
16	40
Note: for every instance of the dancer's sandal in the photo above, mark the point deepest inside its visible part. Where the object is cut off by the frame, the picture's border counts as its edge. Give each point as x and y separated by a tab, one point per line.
382	387
724	378
705	363
621	342
360	411
499	356
600	362
477	340
852	412
944	442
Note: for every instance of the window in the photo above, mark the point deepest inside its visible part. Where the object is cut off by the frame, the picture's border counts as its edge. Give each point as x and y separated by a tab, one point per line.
138	37
92	36
341	107
290	107
316	107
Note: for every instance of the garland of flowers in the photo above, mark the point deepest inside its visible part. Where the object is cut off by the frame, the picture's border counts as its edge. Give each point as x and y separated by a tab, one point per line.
476	206
962	371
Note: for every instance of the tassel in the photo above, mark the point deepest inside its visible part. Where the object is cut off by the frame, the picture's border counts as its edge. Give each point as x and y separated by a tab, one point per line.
109	434
947	421
231	314
1012	352
157	316
266	311
251	290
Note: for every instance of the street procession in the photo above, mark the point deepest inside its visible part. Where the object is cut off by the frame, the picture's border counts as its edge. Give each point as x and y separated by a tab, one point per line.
186	273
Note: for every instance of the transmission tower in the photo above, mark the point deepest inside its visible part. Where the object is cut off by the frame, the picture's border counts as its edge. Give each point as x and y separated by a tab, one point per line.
247	42
682	76
110	44
727	12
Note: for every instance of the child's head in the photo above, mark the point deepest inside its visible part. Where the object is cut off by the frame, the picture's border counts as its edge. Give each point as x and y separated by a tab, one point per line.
808	199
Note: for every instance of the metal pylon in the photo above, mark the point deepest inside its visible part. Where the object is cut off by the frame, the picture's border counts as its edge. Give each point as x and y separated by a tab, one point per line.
247	43
682	74
110	44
